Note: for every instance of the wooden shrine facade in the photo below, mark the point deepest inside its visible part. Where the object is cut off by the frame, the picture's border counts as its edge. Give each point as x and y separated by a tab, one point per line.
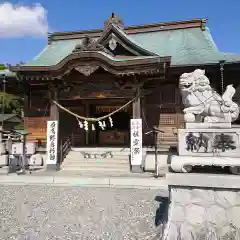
89	89
159	103
98	71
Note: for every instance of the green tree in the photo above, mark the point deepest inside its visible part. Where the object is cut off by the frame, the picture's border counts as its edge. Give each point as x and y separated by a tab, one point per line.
10	103
2	67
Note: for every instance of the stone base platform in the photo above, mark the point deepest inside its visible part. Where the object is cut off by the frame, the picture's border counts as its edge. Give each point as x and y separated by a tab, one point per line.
185	164
207	147
209	142
203	207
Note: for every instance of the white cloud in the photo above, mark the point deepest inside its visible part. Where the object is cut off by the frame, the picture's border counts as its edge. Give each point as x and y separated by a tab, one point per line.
21	20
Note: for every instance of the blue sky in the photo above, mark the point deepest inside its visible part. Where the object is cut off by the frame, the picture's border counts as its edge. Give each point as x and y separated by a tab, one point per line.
63	15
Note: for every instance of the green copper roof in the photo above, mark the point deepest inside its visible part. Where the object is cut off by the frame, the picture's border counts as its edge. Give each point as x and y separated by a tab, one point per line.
190	46
54	53
186	46
231	57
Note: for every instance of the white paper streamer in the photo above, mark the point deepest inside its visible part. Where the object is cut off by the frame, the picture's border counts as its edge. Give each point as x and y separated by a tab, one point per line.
80	124
85	125
111	121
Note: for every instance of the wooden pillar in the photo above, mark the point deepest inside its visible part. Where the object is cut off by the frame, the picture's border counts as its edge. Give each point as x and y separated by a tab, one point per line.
54	111
136	105
26	104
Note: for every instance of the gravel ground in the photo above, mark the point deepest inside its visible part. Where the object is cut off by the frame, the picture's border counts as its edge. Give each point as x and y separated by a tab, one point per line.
46	212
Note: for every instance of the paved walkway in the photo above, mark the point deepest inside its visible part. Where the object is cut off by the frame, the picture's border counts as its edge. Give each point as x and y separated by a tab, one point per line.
139	181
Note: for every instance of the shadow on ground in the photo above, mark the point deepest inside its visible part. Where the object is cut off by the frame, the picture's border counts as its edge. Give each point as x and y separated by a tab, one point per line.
162	211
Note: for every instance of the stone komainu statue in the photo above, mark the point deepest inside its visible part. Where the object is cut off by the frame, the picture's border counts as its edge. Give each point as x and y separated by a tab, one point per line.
202	103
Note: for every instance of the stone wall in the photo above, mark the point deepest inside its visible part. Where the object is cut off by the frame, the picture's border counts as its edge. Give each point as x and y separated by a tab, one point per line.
209	207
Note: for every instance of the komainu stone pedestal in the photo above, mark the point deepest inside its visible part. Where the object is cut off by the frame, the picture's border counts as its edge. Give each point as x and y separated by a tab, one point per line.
207	147
203	207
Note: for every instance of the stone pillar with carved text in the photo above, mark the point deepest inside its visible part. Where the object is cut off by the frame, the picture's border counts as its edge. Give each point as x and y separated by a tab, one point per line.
53	143
136	106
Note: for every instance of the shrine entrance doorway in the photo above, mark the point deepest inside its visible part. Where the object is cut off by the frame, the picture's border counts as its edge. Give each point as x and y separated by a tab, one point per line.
115	134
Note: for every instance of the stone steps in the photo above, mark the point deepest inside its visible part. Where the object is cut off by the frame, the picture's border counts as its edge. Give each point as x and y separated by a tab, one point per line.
168	144
100	149
106	164
79	157
99	154
96	169
97	164
168	138
99	161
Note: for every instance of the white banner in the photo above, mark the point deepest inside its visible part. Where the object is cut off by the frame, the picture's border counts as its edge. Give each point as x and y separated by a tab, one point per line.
136	141
52	142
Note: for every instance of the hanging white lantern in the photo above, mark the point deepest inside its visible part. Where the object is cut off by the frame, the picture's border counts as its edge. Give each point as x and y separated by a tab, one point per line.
85	125
104	124
93	127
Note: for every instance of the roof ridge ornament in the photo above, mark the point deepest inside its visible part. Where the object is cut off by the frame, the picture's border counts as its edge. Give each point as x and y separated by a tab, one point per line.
89	44
203	24
114	19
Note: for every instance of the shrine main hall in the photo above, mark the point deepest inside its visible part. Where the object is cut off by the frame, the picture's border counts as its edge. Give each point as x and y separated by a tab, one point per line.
123	72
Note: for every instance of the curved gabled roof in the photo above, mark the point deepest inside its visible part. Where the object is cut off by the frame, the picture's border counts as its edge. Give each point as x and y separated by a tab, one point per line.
188	43
92	60
125	40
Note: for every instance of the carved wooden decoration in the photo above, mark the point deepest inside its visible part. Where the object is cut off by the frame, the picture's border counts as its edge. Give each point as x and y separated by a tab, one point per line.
89	44
96	89
86	70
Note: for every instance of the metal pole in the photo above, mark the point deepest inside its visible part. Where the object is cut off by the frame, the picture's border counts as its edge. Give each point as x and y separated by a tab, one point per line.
155	131
156	160
61	151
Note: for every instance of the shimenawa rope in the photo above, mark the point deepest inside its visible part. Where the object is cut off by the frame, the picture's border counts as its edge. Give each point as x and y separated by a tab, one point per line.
90	119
